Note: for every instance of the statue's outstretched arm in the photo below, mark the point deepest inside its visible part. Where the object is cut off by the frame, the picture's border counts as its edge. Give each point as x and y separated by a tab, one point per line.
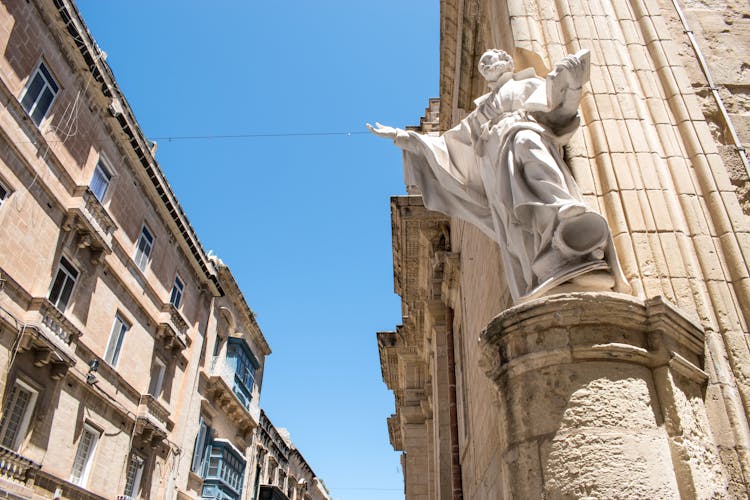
401	137
383	130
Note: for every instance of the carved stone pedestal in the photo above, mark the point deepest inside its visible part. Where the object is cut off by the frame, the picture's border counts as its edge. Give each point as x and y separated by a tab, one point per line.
601	397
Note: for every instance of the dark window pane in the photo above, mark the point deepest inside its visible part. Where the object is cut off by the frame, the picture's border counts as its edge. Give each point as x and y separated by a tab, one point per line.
54	293
65	295
33	92
42	106
69	267
50	80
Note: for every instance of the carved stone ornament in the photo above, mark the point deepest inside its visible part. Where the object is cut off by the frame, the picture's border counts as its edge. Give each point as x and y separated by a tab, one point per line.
501	169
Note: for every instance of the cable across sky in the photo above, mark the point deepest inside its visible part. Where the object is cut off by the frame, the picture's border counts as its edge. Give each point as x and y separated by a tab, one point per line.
253	135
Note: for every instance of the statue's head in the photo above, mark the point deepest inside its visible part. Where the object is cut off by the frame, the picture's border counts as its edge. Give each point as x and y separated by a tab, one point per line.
494	63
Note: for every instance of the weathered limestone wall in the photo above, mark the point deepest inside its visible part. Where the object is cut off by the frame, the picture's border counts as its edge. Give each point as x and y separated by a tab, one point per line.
481	299
722	30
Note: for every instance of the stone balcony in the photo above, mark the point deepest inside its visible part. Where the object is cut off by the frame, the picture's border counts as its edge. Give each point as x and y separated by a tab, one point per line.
222	385
16	468
48	334
91	221
173	328
152	420
53	321
394	432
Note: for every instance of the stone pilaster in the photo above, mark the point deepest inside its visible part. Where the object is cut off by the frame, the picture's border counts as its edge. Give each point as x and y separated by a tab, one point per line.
602	396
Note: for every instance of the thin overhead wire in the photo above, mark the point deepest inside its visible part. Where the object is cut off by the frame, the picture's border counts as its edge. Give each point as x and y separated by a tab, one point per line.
244	136
230	136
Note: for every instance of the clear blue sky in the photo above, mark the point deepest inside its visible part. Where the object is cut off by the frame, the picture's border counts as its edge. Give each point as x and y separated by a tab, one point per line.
303	222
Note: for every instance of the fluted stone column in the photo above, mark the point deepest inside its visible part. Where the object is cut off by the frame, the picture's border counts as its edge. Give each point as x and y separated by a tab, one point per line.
601	397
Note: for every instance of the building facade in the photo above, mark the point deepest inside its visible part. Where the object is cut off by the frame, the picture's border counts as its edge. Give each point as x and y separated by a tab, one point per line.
131	363
282	472
599	395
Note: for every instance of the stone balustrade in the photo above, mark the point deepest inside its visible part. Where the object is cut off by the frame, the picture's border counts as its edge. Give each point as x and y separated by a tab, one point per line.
152	417
54	322
16	467
88	217
173	328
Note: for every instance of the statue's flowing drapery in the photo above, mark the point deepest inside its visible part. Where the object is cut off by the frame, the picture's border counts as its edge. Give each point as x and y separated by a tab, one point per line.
502	170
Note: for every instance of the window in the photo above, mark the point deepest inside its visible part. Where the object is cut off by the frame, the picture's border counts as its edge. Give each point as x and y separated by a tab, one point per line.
223	472
133	476
84	453
176	297
114	346
143	249
3	194
157	377
62	285
272	473
39	93
243	362
17	414
100	180
202	441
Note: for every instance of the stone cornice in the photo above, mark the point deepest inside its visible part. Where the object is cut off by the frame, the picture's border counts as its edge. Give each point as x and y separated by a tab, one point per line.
590	326
233	292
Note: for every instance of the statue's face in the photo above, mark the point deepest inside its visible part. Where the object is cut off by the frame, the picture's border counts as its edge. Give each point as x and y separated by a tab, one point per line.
495	63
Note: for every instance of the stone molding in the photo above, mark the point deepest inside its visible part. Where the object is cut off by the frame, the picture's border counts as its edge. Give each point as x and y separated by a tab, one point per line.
653	333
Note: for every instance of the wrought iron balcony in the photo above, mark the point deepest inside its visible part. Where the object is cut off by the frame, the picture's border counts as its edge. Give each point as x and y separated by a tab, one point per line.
88	217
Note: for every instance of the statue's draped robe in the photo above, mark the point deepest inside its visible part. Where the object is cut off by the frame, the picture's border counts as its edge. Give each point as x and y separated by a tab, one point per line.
501	170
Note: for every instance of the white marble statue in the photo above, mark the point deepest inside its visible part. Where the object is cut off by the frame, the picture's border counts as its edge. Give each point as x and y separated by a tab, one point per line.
501	169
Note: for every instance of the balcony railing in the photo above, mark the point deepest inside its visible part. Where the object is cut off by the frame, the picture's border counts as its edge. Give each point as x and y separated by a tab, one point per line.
89	218
152	419
173	328
16	467
53	321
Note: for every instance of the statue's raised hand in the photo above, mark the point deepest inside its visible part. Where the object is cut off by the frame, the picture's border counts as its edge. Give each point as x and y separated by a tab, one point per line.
565	81
383	130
